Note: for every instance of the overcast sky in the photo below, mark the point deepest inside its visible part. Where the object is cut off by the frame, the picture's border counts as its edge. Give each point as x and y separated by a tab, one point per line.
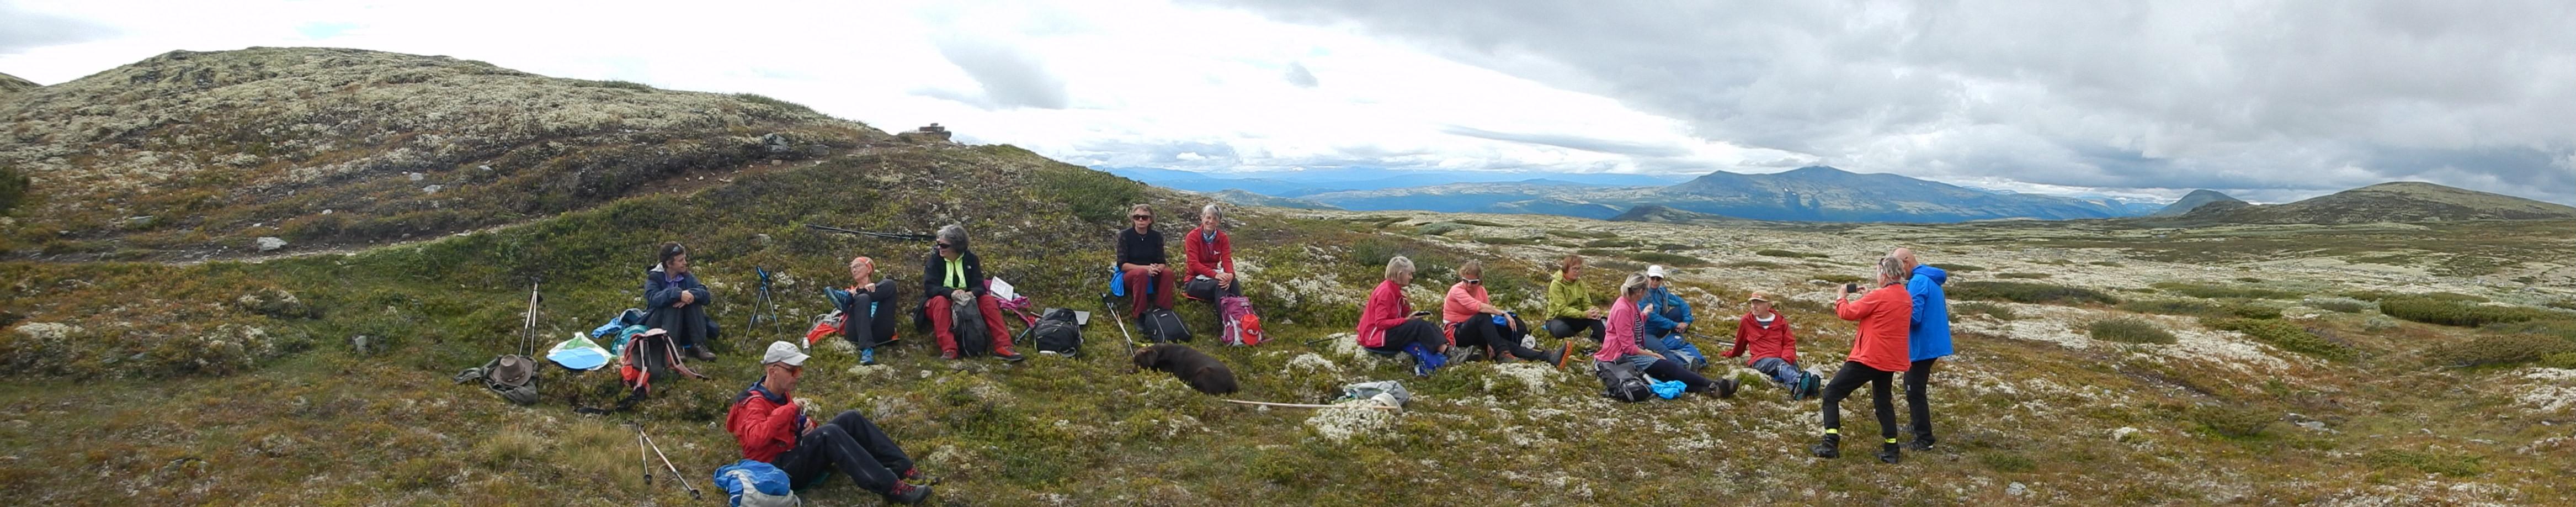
2271	101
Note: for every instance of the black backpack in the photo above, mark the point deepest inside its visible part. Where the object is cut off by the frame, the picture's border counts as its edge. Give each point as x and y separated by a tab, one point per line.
972	339
1621	382
1160	325
1055	332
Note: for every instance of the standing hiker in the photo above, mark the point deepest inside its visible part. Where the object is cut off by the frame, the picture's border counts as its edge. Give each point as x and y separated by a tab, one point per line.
675	302
1473	321
953	276
1141	263
773	428
1388	324
1570	307
1627	326
869	313
1877	354
1927	340
1774	348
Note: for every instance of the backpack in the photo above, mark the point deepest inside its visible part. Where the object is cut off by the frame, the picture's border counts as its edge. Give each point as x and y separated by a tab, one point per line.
968	326
1160	325
751	483
1242	327
1055	333
650	357
828	325
1621	382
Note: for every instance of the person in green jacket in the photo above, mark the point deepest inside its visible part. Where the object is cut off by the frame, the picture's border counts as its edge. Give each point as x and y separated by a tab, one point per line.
1570	308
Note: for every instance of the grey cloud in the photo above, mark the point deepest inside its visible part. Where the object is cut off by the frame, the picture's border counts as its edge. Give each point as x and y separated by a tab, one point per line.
21	29
1611	146
2268	95
1010	77
1298	75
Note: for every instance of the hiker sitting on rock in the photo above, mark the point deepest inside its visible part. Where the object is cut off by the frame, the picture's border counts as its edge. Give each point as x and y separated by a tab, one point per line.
1388	324
1774	347
1627	325
1667	315
675	302
1570	307
1877	355
1474	322
1209	256
1141	263
952	275
773	428
870	310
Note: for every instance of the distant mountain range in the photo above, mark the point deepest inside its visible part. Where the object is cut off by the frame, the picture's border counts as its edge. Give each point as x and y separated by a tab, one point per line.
2403	201
1816	193
1317	181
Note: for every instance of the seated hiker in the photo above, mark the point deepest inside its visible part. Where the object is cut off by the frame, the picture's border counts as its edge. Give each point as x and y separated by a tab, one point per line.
1877	355
1389	325
676	302
870	309
773	428
1774	347
1208	254
1571	308
1627	327
1142	264
1475	322
953	275
1667	316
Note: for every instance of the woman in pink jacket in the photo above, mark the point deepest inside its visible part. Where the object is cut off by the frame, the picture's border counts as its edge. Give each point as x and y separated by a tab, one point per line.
1475	322
1626	324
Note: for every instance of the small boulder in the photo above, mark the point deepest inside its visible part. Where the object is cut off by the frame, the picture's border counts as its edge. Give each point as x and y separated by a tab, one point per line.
270	243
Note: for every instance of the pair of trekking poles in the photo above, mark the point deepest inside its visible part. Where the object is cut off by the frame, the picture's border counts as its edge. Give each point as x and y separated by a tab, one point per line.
643	443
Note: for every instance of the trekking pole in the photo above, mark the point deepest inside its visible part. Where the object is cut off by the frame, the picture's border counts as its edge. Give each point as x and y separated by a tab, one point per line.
641	458
528	334
666	463
885	235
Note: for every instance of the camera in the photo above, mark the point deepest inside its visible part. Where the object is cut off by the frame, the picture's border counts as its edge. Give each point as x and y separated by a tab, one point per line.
1851	287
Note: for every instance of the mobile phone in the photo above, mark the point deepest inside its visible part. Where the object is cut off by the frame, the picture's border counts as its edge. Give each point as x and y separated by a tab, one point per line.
1851	287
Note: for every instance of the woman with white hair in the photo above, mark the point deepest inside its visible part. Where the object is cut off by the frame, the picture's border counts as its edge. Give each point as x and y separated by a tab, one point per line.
1877	355
1209	253
1627	324
952	274
1389	325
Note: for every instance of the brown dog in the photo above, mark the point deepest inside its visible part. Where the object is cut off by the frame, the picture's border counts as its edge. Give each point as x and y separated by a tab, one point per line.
1199	370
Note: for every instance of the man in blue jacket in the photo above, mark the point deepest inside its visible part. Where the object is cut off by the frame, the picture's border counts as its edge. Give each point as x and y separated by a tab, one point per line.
1928	340
1667	315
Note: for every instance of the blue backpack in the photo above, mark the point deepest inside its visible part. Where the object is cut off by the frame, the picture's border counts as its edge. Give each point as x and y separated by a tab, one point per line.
755	484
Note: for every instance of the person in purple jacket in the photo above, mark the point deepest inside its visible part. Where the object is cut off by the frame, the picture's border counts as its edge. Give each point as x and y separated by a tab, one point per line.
676	303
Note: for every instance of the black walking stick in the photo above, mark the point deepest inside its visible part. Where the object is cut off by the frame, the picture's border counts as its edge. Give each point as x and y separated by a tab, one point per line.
908	236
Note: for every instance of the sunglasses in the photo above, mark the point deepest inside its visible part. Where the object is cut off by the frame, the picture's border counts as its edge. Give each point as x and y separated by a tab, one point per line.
1141	217
943	246
1475	281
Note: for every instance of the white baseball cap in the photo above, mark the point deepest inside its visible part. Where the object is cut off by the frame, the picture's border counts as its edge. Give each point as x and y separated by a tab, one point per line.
783	352
1655	271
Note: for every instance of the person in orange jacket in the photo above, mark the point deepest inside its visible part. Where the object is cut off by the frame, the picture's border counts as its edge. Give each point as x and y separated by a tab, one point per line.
1877	355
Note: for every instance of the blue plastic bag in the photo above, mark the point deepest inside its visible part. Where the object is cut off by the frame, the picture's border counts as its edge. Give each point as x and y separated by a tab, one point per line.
754	483
1425	361
1668	389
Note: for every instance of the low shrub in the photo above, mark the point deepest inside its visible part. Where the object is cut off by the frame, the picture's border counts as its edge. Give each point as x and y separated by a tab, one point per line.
1959	268
1506	241
1439	228
2288	337
2027	292
1668	259
2336	304
2499	349
2562	360
1774	252
1840	278
1612	243
2224	292
1999	312
2023	276
2456	313
1479	223
2235	421
1753	264
2455	465
1585	234
2129	330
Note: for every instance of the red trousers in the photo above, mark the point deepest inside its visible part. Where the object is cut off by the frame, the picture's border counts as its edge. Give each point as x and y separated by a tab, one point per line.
940	318
1138	283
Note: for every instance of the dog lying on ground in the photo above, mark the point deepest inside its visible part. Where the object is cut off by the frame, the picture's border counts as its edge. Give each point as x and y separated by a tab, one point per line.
1199	370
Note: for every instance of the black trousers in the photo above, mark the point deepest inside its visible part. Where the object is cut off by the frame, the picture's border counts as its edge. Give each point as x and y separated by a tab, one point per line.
1919	411
1480	331
1850	378
1206	290
1667	369
1566	327
1413	331
868	330
851	444
688	325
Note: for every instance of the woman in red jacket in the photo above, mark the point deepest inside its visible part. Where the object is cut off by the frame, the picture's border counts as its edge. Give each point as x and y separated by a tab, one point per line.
1774	347
1877	355
1388	323
1210	256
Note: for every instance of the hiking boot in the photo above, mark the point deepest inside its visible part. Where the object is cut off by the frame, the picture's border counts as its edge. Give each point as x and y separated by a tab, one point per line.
1887	453
1809	385
702	354
867	357
907	493
1460	354
1828	448
1920	443
1500	356
1726	388
1562	354
1011	357
915	477
948	355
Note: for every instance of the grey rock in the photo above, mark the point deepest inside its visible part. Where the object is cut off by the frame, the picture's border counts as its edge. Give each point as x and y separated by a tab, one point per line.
432	189
271	243
2016	489
415	176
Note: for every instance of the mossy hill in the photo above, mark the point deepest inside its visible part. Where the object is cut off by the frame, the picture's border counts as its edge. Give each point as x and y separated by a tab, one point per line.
2403	201
2195	200
242	380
